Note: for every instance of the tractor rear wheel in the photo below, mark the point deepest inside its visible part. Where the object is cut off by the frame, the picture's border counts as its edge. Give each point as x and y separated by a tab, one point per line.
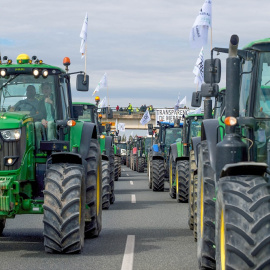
182	167
140	164
158	174
150	170
106	188
2	225
172	168
64	208
242	223
192	169
206	210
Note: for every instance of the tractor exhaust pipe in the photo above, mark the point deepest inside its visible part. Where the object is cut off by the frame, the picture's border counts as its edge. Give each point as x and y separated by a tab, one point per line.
232	81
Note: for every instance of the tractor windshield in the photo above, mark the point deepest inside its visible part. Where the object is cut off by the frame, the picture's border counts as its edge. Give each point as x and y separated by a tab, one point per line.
262	103
88	114
26	94
195	128
173	135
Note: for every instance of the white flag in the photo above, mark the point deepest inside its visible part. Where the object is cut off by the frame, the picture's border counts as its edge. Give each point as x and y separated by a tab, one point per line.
121	127
102	83
198	70
177	104
199	32
83	35
183	102
146	118
103	103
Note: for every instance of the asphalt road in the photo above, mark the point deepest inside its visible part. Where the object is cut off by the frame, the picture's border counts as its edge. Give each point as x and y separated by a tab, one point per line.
143	230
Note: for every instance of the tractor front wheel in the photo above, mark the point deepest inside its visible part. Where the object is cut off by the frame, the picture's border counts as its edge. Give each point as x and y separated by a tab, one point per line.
172	168
182	167
242	223
106	188
158	174
140	164
64	208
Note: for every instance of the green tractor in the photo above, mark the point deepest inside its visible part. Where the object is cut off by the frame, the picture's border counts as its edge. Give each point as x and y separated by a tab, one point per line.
50	164
158	156
87	112
123	151
233	169
179	160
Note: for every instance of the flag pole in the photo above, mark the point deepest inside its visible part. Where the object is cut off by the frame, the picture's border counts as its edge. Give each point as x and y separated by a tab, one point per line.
108	95
85	62
211	38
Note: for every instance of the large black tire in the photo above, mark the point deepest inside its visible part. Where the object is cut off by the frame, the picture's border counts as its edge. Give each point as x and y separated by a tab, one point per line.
182	172
158	175
2	225
112	176
64	208
141	164
150	170
206	211
116	173
172	168
93	219
192	169
106	188
119	166
243	223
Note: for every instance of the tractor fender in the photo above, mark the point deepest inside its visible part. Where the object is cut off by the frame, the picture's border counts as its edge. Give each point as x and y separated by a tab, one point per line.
173	150
244	168
209	133
89	132
108	145
182	158
195	142
157	156
104	157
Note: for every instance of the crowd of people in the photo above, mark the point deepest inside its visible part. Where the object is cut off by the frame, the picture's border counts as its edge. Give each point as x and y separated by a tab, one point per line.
130	109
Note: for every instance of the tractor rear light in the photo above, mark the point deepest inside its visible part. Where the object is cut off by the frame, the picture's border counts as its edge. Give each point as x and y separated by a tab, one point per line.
3	72
36	72
45	73
230	121
71	123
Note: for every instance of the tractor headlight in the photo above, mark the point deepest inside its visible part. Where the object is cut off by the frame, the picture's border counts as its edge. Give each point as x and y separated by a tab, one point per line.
11	134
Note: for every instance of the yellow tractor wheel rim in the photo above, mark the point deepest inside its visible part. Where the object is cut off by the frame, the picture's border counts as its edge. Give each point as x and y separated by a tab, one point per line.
201	207
171	182
222	240
176	179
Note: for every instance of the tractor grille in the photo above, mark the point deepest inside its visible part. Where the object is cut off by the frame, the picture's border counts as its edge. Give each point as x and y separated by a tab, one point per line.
13	148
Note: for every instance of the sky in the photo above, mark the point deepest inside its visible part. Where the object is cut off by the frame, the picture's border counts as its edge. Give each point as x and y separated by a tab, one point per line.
142	45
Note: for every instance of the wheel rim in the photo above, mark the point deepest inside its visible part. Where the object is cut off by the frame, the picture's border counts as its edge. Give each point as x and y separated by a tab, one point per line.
170	175
202	207
176	179
222	240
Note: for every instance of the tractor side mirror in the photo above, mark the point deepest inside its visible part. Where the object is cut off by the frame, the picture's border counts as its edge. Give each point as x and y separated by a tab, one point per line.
77	111
82	84
150	129
209	90
108	127
196	99
212	70
101	129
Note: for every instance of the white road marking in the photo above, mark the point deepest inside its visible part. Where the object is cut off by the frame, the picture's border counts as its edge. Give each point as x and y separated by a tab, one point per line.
133	198
131	182
124	170
127	174
127	263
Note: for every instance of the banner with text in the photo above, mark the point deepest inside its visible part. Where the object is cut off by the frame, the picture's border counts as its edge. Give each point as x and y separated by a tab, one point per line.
169	115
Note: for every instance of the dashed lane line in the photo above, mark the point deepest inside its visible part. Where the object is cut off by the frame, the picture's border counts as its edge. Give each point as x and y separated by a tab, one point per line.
133	198
127	263
127	174
131	182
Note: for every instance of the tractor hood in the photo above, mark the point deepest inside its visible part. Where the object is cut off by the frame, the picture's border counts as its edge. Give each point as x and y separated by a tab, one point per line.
11	120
